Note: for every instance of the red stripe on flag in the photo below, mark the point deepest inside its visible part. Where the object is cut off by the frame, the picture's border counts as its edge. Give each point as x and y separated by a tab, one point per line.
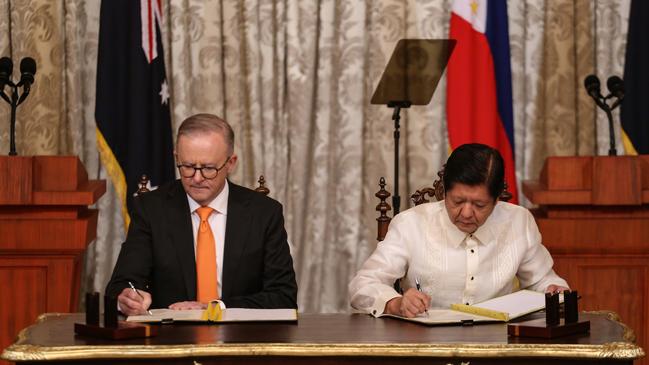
472	105
151	30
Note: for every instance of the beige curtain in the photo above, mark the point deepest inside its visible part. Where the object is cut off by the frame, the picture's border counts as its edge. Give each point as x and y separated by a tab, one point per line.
295	79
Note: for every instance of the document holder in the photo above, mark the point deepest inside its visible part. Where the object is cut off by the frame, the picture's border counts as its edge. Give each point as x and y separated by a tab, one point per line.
112	329
553	325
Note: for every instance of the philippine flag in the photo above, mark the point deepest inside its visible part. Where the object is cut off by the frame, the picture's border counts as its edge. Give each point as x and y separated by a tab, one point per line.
479	90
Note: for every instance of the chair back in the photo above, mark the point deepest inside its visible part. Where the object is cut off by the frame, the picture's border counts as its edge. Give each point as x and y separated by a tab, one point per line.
417	198
144	182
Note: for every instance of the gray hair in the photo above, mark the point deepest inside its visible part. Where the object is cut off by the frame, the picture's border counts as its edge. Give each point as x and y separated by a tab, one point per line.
204	123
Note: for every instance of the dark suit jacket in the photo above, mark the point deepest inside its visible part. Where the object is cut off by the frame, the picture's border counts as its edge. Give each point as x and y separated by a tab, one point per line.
158	255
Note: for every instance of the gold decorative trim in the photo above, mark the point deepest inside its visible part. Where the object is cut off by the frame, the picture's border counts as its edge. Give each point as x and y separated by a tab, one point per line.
614	350
22	335
115	172
628	335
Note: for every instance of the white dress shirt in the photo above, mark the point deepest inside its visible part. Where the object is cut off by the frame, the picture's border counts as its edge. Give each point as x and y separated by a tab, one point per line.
217	222
453	266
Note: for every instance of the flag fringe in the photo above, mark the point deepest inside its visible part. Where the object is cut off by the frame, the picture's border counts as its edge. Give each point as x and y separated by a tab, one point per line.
629	149
116	174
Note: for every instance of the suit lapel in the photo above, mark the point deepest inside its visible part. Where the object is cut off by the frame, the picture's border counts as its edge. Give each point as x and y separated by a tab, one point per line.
235	237
182	237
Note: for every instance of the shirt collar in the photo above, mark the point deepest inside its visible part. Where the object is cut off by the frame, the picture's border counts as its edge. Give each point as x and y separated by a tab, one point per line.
484	234
219	204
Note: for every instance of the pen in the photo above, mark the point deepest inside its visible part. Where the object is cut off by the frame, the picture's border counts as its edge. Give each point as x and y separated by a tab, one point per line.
138	293
419	290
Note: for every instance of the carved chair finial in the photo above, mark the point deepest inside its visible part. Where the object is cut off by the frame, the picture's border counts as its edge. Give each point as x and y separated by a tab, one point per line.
419	197
383	220
142	185
262	186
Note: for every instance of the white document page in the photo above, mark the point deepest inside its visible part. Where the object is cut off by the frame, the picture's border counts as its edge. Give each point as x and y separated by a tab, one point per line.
229	315
516	304
443	316
158	315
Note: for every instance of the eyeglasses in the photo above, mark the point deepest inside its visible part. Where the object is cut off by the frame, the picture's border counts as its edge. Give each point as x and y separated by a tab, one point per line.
208	172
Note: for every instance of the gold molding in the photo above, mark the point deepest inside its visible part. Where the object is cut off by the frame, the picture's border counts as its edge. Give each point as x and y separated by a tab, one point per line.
628	335
614	350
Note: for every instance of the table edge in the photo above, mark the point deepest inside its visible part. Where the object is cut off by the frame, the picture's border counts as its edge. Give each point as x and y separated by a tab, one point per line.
624	350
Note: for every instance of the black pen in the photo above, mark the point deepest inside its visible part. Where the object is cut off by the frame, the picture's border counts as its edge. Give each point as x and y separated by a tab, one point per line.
138	293
419	290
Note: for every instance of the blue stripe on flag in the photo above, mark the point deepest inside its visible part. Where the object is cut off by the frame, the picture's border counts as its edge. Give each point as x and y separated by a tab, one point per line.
498	37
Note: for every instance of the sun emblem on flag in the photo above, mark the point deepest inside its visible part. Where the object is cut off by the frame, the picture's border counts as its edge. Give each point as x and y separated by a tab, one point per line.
164	93
474	7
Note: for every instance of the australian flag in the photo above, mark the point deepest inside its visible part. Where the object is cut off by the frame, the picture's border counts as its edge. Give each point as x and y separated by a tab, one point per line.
132	101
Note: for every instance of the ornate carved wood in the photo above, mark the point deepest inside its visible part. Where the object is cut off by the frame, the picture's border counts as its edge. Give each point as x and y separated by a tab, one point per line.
144	181
438	188
142	185
438	184
325	339
262	187
419	197
383	221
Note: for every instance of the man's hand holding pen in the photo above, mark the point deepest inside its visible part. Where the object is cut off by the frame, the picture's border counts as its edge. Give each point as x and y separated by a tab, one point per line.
134	302
412	303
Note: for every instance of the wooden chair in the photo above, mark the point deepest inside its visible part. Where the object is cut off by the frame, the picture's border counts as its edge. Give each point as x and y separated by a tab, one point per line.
144	181
417	198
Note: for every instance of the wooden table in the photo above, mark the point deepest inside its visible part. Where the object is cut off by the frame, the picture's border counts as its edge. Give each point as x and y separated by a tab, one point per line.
324	339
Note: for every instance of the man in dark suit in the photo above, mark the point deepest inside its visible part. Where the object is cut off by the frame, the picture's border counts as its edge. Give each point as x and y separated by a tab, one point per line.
202	237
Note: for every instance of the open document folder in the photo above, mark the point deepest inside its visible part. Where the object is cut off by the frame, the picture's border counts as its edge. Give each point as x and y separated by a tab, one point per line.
214	313
501	309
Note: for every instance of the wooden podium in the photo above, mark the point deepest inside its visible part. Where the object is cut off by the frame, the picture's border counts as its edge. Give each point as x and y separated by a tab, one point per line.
594	217
45	226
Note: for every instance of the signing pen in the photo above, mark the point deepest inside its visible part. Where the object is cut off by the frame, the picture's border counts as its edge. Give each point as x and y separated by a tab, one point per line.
419	290
138	293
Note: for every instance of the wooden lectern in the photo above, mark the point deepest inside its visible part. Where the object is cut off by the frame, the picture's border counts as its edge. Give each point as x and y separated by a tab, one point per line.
45	226
594	217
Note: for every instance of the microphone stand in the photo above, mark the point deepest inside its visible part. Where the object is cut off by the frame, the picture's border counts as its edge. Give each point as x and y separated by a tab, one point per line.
13	102
611	132
12	125
600	101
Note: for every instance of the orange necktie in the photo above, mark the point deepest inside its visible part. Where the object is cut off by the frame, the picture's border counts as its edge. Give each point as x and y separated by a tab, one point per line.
205	259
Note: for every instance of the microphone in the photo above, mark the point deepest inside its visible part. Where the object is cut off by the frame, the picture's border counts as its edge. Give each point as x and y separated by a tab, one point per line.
616	87
27	71
592	84
6	69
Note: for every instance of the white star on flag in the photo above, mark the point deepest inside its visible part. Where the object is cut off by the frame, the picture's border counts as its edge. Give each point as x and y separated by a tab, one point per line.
164	92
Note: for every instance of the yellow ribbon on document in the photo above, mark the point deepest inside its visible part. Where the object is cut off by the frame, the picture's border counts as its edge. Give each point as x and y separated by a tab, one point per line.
213	313
481	311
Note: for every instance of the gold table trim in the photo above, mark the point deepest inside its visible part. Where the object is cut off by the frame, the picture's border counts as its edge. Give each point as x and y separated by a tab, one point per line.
614	350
